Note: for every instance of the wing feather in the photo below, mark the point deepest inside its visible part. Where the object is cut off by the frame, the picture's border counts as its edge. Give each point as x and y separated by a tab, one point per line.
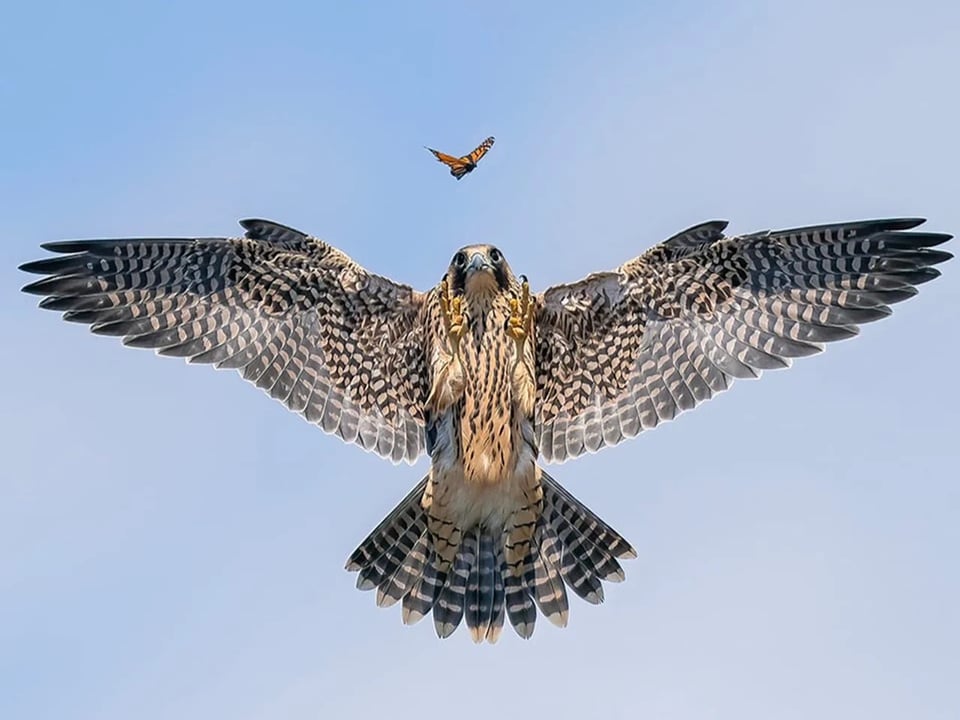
294	316
620	352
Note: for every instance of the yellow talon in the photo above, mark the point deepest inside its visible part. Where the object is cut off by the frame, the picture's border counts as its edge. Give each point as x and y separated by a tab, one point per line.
521	317
452	310
448	372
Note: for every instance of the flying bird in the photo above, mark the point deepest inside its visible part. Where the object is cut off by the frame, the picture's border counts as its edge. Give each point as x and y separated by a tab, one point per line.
487	377
460	166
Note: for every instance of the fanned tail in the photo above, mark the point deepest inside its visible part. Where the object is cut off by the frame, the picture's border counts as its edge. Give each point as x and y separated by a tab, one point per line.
392	557
571	547
591	547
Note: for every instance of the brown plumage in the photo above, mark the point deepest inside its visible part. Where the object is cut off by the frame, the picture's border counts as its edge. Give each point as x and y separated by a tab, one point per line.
486	377
460	166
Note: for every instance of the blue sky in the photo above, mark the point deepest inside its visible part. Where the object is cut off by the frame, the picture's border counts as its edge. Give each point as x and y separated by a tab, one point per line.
172	541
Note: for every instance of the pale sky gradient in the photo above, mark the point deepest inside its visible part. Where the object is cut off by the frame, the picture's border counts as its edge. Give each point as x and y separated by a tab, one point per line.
172	541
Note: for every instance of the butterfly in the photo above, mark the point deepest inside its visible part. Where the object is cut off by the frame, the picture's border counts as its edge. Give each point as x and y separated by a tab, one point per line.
460	166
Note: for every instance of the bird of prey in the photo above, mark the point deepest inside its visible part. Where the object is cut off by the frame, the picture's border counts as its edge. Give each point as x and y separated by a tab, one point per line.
487	377
460	166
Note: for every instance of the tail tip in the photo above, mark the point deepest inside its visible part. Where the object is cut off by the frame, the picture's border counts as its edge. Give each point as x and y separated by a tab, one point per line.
525	629
595	597
410	616
364	583
444	629
490	634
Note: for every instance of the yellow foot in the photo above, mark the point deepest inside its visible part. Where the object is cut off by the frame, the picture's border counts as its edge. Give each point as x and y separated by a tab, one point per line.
452	310
521	317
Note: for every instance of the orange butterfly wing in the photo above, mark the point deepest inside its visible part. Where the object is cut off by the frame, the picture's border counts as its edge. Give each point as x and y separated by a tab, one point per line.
478	152
460	166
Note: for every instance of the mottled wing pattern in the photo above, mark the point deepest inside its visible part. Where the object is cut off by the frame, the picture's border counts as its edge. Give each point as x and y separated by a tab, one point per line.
623	351
295	316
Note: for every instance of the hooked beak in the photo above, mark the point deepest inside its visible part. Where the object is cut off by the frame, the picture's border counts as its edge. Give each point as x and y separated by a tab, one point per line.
478	261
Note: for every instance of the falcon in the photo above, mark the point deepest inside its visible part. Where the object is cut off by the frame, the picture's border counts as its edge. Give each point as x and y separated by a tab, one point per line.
488	378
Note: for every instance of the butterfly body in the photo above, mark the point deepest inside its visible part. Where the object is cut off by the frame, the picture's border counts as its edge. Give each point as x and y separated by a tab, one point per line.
460	166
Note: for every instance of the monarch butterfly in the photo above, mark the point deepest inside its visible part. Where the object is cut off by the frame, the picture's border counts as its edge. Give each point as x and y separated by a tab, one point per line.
460	166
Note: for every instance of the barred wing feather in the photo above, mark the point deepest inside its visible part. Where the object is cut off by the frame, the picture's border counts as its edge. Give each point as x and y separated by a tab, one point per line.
293	315
620	352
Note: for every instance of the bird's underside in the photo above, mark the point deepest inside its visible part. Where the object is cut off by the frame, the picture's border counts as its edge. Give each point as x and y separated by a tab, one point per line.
488	378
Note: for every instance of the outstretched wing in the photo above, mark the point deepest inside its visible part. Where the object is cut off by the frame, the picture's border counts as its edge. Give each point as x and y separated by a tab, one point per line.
296	317
458	166
622	351
479	151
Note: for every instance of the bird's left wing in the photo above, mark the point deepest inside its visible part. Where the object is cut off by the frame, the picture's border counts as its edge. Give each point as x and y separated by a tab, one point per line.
619	352
298	318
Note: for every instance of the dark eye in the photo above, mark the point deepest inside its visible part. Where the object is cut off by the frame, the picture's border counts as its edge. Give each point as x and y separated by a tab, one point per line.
495	255
460	260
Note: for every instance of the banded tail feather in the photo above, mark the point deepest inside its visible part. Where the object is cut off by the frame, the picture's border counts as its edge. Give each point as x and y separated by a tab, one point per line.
572	548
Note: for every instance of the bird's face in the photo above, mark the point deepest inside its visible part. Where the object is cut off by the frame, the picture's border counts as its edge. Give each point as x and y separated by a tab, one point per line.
479	270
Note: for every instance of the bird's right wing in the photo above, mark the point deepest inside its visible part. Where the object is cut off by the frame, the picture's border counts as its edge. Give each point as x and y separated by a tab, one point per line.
298	318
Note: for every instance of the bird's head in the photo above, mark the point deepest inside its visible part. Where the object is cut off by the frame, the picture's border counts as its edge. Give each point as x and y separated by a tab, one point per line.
479	270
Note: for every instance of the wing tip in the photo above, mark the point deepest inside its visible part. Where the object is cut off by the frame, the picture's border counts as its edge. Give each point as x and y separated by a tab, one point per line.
873	225
257	224
41	287
70	246
907	222
34	267
273	232
703	233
